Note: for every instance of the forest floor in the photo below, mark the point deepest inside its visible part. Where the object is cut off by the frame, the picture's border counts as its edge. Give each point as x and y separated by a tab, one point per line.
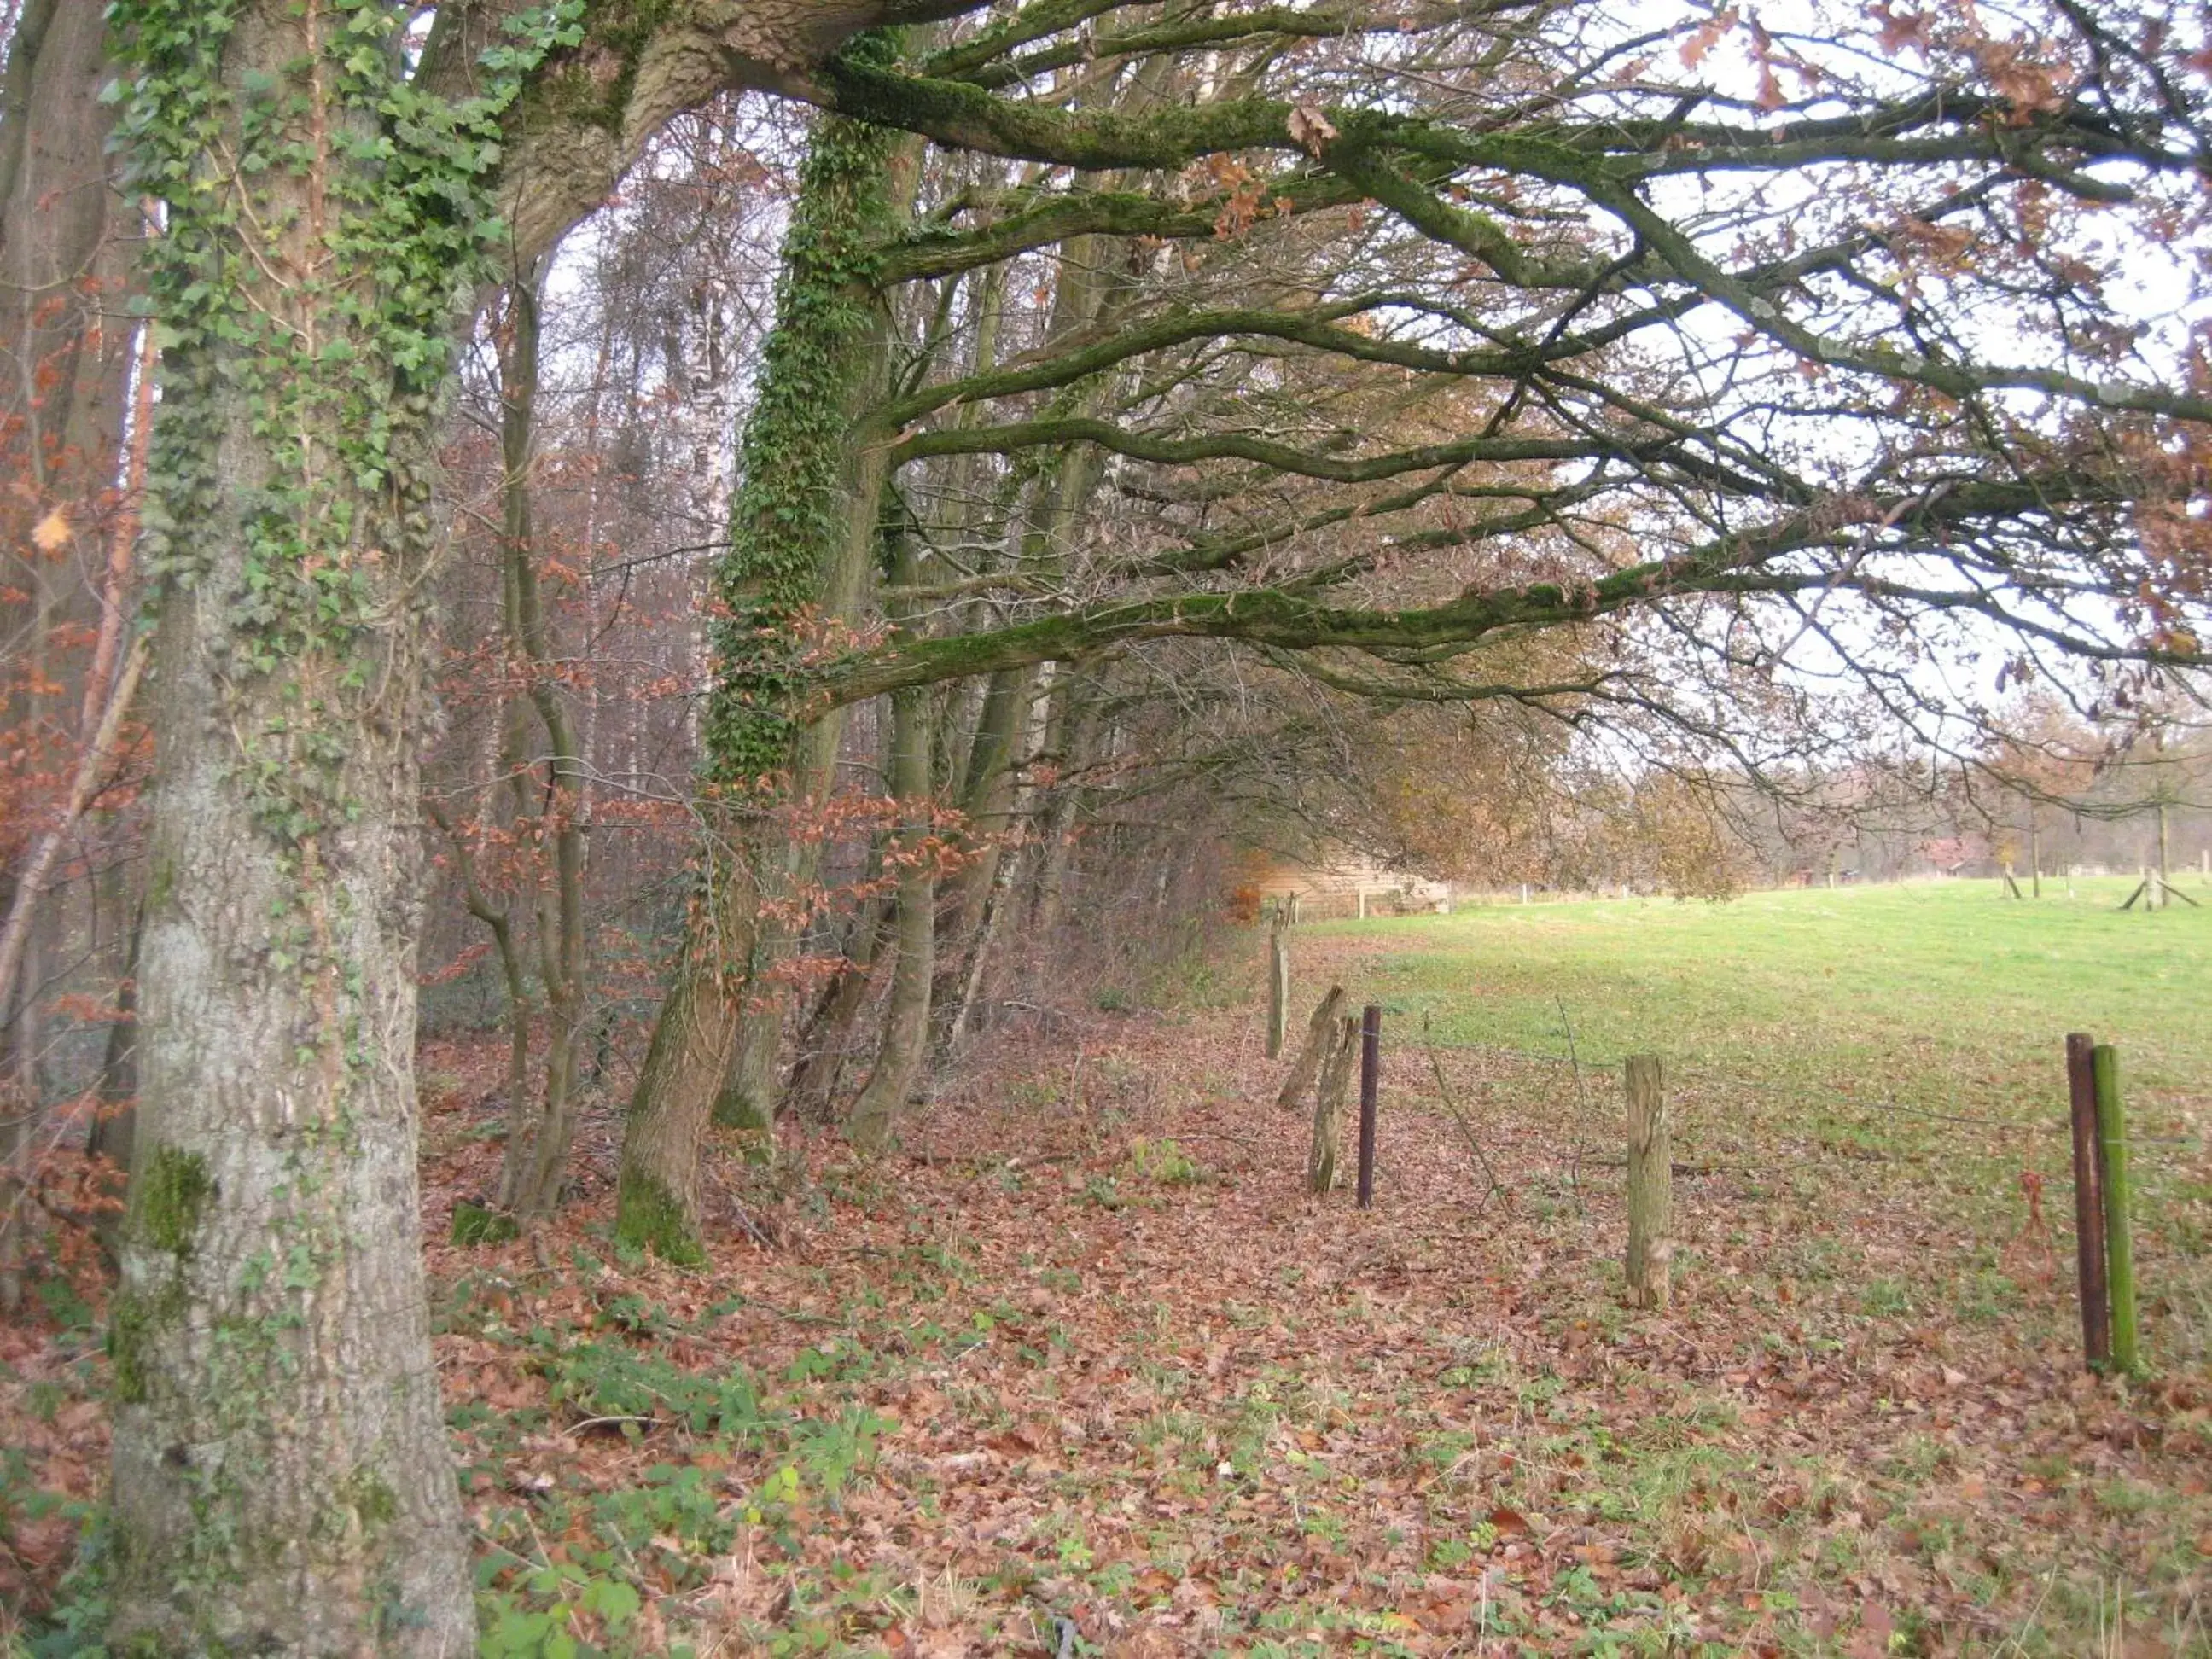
1082	1367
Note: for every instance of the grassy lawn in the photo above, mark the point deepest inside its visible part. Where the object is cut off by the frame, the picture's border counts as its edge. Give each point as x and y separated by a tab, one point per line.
1914	1033
1942	994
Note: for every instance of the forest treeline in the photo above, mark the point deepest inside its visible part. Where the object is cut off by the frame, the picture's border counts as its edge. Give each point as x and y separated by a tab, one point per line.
788	526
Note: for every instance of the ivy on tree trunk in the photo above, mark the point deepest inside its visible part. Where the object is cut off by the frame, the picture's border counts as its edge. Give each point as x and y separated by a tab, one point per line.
802	532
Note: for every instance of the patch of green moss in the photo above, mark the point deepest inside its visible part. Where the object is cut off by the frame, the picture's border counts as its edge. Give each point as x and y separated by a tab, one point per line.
647	1216
735	1108
595	82
371	1498
167	1198
132	1319
474	1224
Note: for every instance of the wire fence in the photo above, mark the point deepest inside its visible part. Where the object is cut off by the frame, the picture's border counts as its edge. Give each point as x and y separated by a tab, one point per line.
1714	1079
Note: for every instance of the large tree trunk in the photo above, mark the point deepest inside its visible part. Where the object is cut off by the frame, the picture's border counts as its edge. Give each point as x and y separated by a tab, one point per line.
985	801
828	1035
905	1042
1075	724
281	1480
904	1046
802	534
657	1199
747	1102
537	1162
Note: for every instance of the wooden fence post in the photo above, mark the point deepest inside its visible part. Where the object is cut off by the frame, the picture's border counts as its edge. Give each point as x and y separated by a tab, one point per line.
2119	1237
2164	882
2089	1202
1650	1184
1279	987
1309	1062
1370	1074
1341	1037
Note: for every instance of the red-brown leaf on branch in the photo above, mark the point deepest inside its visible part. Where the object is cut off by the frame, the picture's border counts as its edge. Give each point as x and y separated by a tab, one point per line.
1707	37
51	534
1900	29
1309	128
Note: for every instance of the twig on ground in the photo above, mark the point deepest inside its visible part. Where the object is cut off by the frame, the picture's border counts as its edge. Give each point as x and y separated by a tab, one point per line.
604	1422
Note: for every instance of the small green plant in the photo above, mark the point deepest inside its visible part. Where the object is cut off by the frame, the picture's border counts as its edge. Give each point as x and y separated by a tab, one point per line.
514	1630
1887	1298
1449	1554
478	1224
1166	1163
613	1382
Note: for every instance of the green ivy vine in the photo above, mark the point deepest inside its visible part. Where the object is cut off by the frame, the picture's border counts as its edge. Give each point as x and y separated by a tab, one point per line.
323	217
789	511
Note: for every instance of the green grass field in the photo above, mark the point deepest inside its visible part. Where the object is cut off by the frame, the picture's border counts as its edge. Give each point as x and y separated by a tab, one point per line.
1943	995
1909	1039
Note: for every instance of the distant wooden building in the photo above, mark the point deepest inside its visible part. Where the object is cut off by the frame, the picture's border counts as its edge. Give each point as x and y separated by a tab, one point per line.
1341	884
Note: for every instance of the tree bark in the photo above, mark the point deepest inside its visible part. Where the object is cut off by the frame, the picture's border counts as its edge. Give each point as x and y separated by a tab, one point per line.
905	1045
829	1035
802	535
281	1476
747	1101
1076	725
984	798
537	1165
1278	987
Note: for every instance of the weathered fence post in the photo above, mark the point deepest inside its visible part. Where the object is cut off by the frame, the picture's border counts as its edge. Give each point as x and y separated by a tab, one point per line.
2119	1237
1650	1184
2089	1202
1278	987
1307	1064
1370	1074
2164	880
1342	1041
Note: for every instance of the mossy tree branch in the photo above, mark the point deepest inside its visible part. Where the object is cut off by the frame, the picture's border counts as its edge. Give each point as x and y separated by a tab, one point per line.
1749	563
